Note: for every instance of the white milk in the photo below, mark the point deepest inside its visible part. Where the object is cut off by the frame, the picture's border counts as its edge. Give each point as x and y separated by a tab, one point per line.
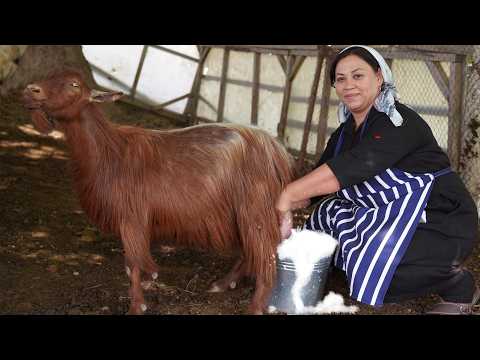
305	248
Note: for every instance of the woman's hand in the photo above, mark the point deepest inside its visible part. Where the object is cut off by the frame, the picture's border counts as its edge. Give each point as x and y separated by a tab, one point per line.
286	224
284	209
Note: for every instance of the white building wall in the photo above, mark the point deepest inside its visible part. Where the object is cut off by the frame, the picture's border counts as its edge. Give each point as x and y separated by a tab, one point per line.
164	76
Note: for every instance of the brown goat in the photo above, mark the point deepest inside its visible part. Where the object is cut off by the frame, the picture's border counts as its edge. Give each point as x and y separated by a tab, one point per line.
207	186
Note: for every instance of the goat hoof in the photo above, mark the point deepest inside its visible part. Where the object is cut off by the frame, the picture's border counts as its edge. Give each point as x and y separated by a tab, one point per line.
148	285
255	312
154	276
143	307
233	285
135	312
215	289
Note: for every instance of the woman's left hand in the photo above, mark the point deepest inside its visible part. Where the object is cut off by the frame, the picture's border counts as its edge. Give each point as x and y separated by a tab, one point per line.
283	207
286	224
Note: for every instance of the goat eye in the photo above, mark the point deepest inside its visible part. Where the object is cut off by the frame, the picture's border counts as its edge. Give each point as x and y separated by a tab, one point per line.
74	84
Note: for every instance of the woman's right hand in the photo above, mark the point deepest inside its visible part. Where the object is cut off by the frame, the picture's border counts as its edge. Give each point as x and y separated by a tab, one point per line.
286	224
284	209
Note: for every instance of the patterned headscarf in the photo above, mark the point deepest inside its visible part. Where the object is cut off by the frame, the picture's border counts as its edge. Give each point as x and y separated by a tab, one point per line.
385	101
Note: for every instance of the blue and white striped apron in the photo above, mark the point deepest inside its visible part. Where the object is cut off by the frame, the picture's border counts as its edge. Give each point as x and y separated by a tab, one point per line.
374	222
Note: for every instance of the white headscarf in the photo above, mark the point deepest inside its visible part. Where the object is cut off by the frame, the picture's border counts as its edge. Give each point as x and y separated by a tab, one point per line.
385	101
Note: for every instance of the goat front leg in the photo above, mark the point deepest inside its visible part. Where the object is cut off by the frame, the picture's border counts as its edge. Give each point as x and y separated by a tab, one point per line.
231	280
137	301
136	243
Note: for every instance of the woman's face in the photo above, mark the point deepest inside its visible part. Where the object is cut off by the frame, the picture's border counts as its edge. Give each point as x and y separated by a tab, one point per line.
357	84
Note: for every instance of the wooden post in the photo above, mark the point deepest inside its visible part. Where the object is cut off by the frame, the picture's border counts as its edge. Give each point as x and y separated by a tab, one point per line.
296	66
324	109
283	63
139	70
455	111
223	85
293	66
439	76
256	87
192	105
170	102
286	98
311	107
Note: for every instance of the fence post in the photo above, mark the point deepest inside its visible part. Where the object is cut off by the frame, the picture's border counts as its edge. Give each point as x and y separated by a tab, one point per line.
139	71
455	108
310	109
324	109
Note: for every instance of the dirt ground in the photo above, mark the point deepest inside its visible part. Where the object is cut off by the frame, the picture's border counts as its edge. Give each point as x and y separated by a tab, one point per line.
52	261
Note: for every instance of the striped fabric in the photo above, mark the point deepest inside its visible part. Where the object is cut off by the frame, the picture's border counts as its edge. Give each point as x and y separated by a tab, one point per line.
374	222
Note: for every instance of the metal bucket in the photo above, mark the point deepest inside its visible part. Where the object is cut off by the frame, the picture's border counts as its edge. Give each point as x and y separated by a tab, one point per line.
282	298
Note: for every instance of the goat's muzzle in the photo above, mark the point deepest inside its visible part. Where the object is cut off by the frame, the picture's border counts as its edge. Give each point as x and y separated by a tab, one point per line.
33	97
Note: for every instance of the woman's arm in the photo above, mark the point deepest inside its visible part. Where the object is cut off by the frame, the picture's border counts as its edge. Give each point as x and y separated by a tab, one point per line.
320	181
297	194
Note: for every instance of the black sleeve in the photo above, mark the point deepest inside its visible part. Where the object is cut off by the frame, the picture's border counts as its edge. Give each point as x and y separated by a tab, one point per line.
327	154
329	151
381	147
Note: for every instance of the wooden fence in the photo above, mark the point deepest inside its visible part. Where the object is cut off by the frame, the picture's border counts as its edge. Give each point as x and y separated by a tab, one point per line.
291	59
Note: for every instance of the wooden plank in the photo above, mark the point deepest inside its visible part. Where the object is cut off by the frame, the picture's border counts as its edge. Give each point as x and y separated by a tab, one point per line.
401	52
416	55
133	92
192	105
395	52
173	52
439	76
310	109
312	48
425	110
449	49
223	85
455	113
162	105
180	118
286	98
324	109
296	67
256	87
283	63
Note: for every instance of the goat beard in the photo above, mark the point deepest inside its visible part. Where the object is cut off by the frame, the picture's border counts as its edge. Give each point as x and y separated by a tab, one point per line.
40	121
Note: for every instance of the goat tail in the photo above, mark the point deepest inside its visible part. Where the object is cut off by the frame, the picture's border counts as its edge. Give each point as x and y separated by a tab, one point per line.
136	243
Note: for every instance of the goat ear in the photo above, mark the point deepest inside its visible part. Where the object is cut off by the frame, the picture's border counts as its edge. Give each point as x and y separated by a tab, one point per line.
40	122
105	96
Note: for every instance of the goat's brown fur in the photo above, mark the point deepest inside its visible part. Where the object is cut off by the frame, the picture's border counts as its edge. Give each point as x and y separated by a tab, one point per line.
207	186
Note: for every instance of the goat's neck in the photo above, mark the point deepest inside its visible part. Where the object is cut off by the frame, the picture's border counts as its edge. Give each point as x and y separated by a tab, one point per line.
93	140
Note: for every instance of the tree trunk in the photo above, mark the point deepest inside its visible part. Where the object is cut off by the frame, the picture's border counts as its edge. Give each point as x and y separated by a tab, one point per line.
470	155
40	61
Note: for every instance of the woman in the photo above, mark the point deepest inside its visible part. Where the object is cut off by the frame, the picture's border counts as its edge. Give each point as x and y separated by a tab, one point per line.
404	220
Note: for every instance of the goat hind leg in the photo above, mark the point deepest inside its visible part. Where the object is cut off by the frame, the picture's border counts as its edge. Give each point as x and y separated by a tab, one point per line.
262	293
231	280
